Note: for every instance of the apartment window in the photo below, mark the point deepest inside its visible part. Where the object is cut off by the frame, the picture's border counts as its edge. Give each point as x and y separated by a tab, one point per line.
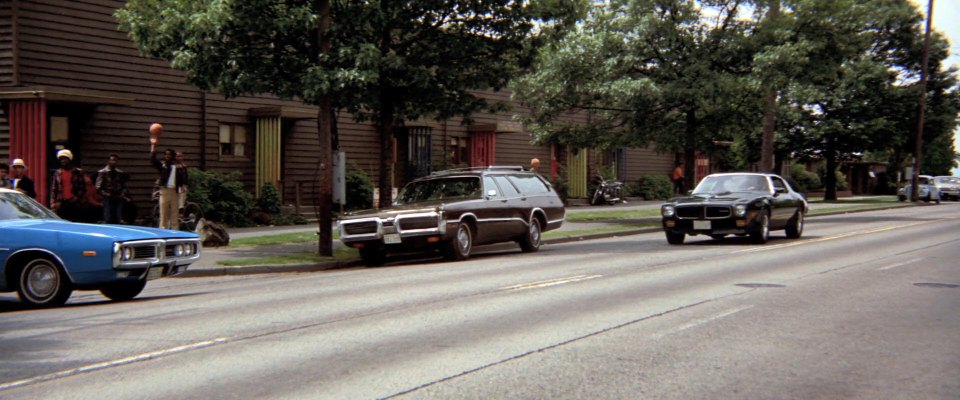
233	140
458	150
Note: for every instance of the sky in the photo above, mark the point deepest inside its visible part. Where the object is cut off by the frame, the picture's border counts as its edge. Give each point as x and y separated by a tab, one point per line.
946	20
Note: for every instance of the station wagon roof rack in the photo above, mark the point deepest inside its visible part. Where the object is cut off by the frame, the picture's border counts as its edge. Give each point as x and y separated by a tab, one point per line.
487	168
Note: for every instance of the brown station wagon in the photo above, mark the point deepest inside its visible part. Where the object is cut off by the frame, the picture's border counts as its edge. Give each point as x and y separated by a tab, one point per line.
454	210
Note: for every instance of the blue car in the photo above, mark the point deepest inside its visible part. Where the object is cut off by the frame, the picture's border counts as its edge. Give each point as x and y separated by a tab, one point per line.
44	258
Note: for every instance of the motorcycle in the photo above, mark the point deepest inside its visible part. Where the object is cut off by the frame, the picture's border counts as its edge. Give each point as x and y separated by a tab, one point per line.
606	191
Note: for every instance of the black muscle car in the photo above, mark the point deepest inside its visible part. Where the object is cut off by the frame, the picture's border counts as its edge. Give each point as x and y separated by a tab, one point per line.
454	210
735	204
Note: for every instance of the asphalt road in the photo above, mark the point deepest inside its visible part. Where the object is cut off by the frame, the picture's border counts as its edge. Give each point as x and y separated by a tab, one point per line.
863	306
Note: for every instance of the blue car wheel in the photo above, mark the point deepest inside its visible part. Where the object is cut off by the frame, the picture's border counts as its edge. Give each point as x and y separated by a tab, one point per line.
42	283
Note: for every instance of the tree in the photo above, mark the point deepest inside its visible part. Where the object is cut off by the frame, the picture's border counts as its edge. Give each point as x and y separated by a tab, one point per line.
646	72
386	60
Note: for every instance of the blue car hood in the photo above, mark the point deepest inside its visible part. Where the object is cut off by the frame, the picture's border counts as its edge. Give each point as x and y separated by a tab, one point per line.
116	232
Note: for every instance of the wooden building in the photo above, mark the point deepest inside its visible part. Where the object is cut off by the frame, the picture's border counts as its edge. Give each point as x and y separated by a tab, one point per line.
70	79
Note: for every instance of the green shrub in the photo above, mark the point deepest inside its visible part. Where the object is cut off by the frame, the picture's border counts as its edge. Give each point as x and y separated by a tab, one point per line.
655	187
632	190
841	178
802	180
562	188
269	201
359	189
221	196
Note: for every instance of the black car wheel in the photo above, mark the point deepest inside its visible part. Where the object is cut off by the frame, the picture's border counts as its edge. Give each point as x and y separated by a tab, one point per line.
675	237
532	239
795	225
762	234
373	256
123	291
459	247
42	284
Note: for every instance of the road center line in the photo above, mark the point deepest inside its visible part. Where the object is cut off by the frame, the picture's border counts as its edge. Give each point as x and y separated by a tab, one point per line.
899	264
112	363
839	236
699	322
551	282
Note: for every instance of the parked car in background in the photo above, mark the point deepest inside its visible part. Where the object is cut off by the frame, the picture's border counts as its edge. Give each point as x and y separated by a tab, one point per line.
44	258
928	190
735	204
454	210
949	187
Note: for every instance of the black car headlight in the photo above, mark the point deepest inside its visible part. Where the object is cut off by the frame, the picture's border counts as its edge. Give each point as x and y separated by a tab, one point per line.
740	210
668	211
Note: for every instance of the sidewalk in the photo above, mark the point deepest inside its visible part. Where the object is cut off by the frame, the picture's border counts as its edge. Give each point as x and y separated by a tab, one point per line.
208	263
211	256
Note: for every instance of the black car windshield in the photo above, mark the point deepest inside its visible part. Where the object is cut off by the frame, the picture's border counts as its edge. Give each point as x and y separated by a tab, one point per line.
716	184
20	206
452	188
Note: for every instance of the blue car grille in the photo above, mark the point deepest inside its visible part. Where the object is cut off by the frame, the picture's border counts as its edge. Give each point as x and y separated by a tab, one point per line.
144	252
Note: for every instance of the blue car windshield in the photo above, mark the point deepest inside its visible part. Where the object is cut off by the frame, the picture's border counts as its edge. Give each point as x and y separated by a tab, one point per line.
717	184
19	206
458	188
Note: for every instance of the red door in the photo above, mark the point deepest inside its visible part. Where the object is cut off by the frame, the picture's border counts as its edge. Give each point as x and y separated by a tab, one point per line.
483	149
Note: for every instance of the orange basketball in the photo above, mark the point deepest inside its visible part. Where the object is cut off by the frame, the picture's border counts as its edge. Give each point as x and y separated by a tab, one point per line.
156	129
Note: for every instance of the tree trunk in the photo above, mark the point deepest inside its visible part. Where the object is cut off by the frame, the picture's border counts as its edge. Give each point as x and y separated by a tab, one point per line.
385	130
690	152
830	180
770	108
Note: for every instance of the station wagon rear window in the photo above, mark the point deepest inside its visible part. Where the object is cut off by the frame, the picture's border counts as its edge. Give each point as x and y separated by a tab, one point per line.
529	184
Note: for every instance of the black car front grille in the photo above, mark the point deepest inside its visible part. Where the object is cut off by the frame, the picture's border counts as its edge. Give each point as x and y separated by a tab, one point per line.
692	212
360	228
708	212
718	212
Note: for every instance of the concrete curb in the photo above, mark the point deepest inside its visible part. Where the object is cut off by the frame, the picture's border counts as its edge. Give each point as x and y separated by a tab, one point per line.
340	264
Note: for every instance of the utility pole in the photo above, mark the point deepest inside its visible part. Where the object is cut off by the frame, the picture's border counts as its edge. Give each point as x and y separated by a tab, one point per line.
325	135
915	179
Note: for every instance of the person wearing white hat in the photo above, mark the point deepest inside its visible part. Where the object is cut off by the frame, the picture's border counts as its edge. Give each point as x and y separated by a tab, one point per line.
68	188
21	182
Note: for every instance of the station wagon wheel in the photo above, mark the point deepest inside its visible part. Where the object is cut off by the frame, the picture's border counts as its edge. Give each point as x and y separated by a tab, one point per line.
459	247
675	237
123	291
532	239
42	283
795	226
762	234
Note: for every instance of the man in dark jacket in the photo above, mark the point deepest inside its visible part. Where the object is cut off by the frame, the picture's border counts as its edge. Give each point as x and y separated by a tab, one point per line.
112	185
69	188
21	182
170	181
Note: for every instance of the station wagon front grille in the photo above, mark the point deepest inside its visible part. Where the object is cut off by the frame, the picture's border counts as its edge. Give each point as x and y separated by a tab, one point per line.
708	212
360	228
408	224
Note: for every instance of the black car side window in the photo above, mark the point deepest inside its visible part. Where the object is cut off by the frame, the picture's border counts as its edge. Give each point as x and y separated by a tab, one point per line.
529	184
508	189
778	184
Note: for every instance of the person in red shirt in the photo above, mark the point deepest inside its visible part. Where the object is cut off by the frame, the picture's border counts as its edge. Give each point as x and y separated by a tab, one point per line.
68	188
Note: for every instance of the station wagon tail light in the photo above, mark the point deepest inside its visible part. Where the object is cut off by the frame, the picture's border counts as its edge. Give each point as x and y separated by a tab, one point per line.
740	210
668	211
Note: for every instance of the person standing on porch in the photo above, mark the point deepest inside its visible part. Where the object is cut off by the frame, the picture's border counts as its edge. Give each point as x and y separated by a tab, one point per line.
68	188
21	182
112	185
170	180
